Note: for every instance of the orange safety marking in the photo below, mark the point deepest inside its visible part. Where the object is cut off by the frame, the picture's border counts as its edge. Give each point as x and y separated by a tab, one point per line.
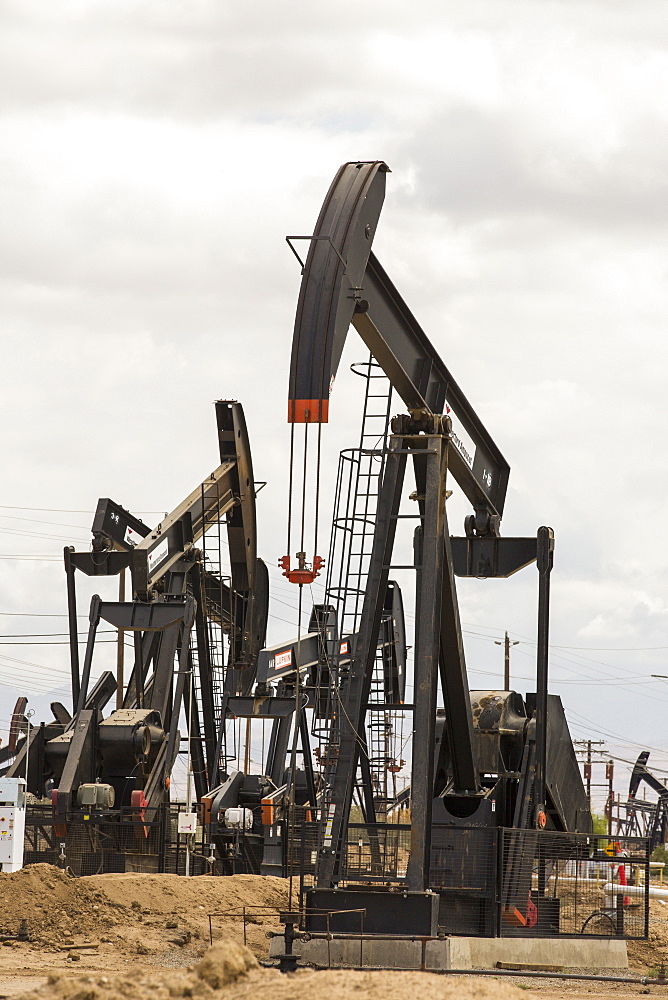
308	411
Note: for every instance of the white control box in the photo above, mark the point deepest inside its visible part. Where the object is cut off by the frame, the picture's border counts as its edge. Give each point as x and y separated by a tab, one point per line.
12	823
186	823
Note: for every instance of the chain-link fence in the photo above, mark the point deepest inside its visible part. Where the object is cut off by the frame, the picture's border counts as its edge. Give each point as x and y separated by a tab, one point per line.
491	882
559	883
115	842
497	882
464	871
376	852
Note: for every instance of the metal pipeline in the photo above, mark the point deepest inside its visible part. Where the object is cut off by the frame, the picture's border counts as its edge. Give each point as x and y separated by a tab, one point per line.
612	889
519	974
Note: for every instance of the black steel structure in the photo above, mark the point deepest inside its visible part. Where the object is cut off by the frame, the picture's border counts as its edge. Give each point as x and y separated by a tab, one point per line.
642	818
504	760
119	766
493	773
252	817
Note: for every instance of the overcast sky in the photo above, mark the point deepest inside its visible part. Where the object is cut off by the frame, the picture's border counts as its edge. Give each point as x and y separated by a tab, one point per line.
154	157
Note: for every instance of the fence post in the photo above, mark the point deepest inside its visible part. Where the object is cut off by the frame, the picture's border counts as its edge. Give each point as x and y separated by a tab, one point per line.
162	836
619	913
499	834
647	887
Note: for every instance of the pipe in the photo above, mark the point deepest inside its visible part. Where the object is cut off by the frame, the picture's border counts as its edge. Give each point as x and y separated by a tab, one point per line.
517	974
615	889
602	882
612	889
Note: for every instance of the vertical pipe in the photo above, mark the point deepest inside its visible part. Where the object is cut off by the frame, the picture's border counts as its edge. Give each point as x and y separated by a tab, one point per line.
73	626
120	652
506	663
544	560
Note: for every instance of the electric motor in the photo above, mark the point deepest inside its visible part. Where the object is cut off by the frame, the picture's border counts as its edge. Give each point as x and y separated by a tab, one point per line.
238	819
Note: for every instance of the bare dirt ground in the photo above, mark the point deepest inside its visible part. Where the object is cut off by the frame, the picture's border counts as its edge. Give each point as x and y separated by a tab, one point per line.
104	937
108	924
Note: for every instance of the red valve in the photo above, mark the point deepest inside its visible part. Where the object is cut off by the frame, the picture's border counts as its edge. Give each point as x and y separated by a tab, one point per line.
302	574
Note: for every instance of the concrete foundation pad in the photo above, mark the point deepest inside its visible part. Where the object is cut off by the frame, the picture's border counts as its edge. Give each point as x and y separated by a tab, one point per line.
570	953
460	952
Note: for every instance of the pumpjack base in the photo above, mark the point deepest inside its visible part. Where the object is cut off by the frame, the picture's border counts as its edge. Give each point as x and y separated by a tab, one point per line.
371	911
396	952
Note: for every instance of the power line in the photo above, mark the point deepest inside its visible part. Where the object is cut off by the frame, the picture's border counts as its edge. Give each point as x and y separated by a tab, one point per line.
37	614
39	520
41	635
613	649
66	510
31	557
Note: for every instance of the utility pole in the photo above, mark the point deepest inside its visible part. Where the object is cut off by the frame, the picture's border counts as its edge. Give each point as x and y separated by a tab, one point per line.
507	643
29	714
609	774
586	767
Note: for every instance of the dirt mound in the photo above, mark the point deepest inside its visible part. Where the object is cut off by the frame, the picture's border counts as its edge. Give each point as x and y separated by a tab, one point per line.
48	899
229	968
175	894
145	914
224	963
650	955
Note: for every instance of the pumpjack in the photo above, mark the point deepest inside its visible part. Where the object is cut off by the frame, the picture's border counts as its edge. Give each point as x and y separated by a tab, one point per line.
484	759
479	760
646	819
118	767
250	816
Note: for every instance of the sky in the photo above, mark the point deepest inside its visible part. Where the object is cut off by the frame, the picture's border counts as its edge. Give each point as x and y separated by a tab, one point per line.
153	158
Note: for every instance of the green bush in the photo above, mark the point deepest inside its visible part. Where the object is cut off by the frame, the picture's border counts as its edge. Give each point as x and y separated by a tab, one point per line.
661	854
599	824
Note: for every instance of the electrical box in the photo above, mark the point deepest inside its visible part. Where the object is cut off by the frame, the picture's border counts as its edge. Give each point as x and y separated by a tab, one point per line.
186	823
12	823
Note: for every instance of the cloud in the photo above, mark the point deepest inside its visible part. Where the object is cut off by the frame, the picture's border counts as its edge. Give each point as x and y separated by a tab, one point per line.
156	156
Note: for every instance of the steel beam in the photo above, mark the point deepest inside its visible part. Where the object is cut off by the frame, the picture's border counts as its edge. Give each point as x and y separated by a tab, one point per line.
545	559
355	691
73	625
415	369
454	680
94	621
79	764
490	556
